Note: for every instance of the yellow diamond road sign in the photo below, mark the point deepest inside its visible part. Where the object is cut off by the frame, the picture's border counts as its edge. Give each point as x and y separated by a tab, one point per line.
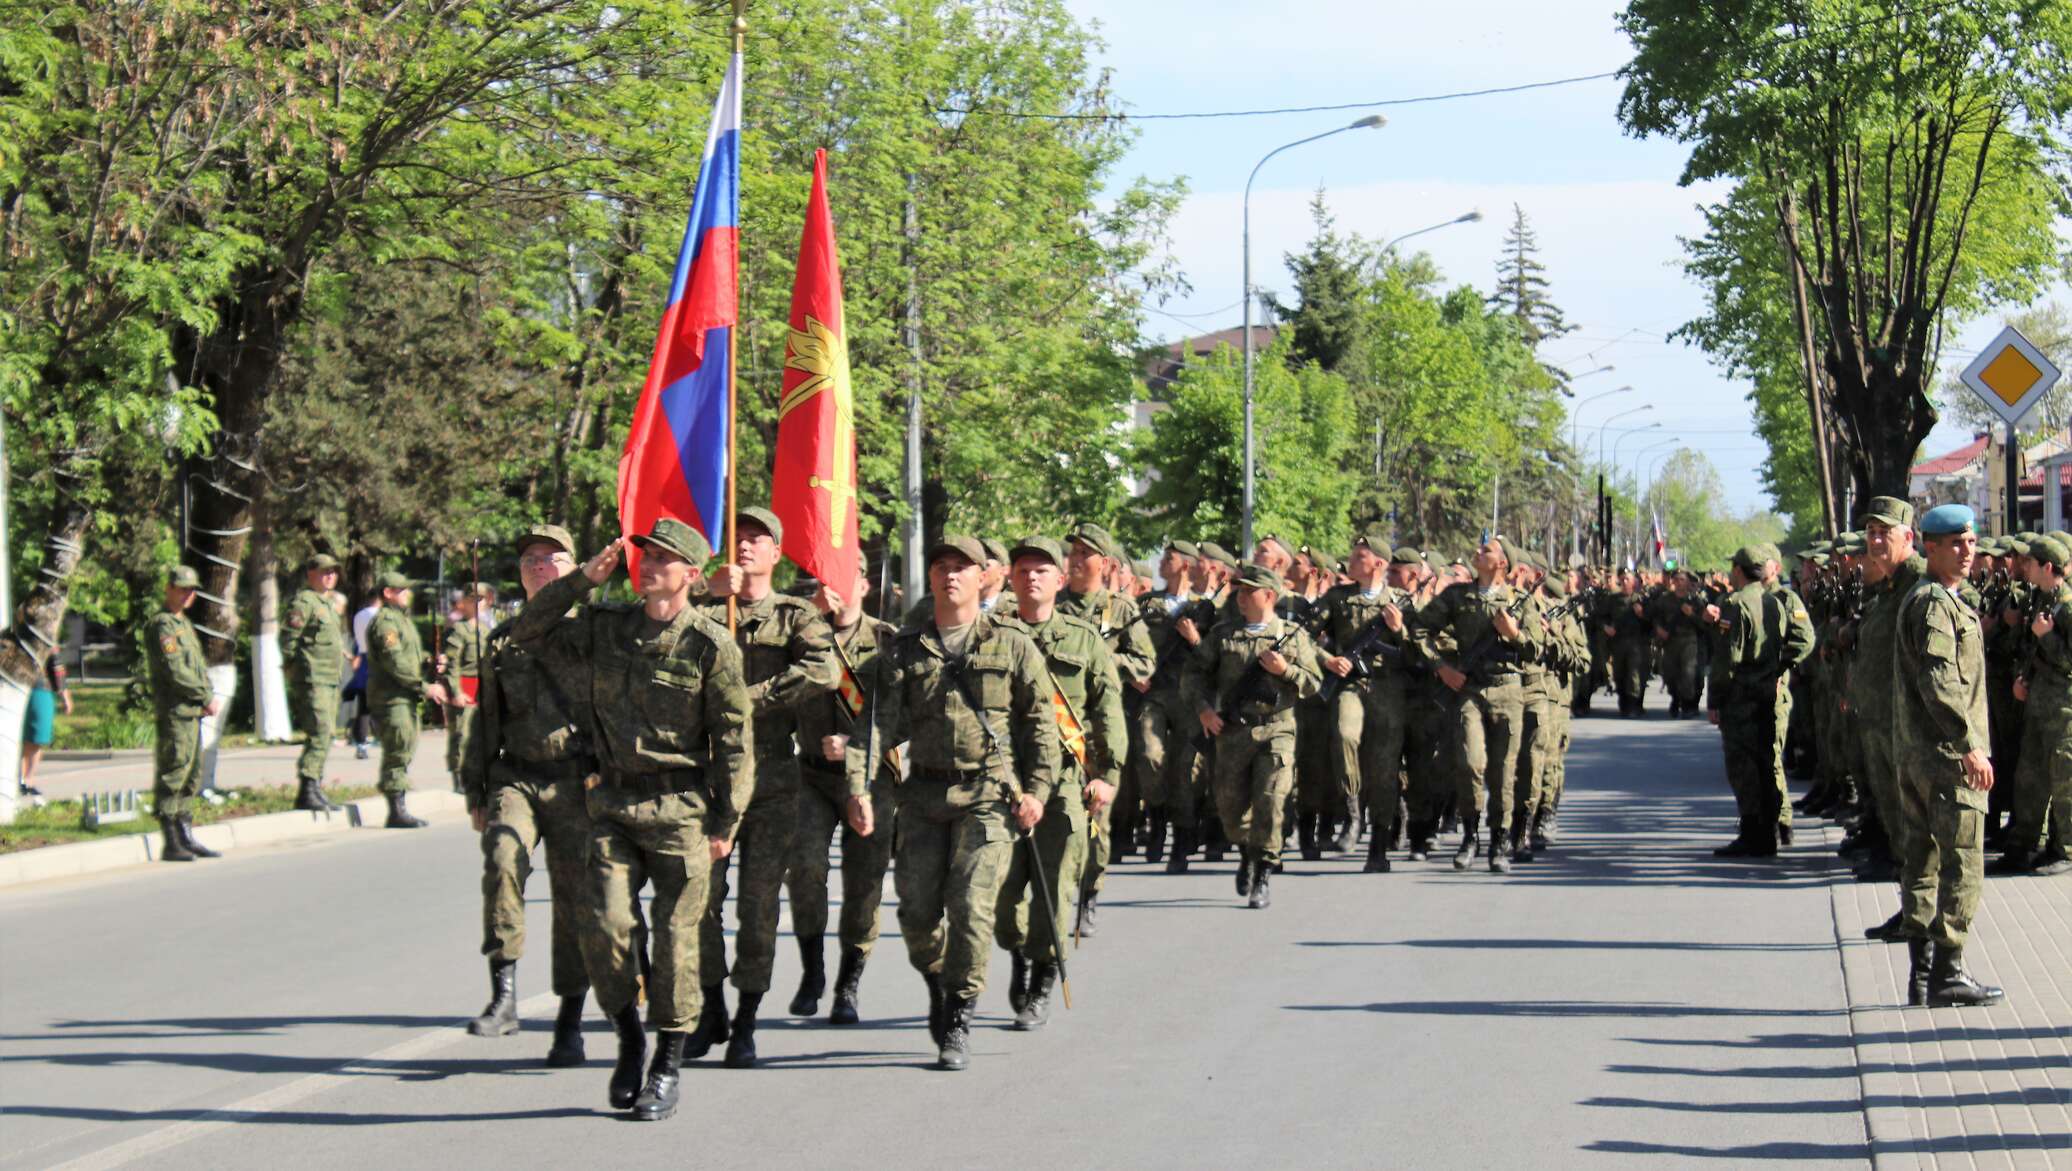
2010	375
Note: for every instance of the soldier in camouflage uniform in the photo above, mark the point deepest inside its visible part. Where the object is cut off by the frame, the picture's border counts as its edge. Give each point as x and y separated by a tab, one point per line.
460	670
1891	570
1371	714
313	655
671	711
523	775
1089	552
1544	679
1680	625
180	696
2040	836
1095	740
397	691
1478	632
1764	636
972	701
1941	743
1162	750
1251	718
1567	656
787	656
1626	628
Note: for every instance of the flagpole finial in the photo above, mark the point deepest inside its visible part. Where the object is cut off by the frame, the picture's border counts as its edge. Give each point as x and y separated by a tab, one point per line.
740	22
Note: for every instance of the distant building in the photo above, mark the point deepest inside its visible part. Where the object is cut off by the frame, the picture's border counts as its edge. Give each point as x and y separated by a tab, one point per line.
1975	474
1162	367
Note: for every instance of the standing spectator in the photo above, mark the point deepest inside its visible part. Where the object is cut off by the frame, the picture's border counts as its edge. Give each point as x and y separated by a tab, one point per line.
41	725
362	730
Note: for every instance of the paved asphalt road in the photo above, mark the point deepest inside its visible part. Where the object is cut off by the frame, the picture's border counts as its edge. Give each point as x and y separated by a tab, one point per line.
1628	1002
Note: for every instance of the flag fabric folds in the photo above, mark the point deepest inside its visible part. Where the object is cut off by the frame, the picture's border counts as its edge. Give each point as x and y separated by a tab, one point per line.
675	461
813	483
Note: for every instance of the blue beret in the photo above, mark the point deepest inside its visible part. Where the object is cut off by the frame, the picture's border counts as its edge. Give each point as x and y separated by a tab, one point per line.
1944	519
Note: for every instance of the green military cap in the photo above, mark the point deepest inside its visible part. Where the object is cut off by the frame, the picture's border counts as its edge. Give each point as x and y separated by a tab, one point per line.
1037	546
673	536
995	551
2016	547
968	548
183	577
319	562
1556	585
1096	538
1888	510
392	580
1818	559
1406	556
2050	551
1259	577
1321	558
1185	548
2061	536
1218	553
762	518
551	534
1749	558
1375	540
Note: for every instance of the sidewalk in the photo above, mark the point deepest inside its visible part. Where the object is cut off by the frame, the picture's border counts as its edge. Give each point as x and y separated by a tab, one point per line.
66	776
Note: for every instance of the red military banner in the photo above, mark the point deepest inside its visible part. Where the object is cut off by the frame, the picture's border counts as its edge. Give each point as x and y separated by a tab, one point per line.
813	486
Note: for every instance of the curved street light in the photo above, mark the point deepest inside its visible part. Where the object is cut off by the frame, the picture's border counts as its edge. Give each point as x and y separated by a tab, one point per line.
1375	121
1473	217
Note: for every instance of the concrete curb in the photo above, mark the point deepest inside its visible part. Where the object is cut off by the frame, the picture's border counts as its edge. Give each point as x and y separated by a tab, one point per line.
78	858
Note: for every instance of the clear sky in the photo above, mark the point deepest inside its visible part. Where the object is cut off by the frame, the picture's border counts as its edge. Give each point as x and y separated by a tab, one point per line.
1606	207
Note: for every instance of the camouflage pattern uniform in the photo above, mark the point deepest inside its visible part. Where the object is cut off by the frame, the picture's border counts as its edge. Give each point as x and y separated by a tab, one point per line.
824	793
1545	680
1766	634
1629	651
395	690
180	690
1370	716
313	653
2043	780
1939	710
1254	760
1571	668
462	651
1870	695
1490	715
1116	619
1162	751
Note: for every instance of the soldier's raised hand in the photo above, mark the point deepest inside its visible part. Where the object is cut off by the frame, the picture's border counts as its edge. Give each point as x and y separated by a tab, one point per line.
2044	624
1506	625
599	568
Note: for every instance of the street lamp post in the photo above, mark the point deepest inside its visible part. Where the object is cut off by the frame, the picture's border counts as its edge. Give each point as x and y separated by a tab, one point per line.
1575	544
1472	217
1251	451
1604	521
1637	483
1616	443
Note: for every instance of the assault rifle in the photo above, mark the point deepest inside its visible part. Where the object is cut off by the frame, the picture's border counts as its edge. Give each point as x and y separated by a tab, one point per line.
1366	649
1491	646
1255	686
1203	613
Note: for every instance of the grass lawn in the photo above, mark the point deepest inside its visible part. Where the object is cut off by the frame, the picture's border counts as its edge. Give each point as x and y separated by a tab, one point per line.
98	722
57	822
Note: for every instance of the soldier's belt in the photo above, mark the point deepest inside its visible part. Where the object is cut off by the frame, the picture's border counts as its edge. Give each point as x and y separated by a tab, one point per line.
552	770
952	776
826	768
680	780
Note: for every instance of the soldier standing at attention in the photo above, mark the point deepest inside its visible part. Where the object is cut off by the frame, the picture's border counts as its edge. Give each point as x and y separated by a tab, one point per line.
1891	570
180	697
1089	553
972	701
313	650
1250	714
460	669
531	751
826	803
1942	745
2043	794
1627	628
1761	641
1095	741
671	713
396	689
787	657
1478	632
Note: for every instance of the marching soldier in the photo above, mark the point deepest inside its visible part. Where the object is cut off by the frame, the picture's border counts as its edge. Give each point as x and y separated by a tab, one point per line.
1627	630
1371	712
180	696
1090	550
1163	747
671	712
1243	682
314	656
972	701
397	691
532	749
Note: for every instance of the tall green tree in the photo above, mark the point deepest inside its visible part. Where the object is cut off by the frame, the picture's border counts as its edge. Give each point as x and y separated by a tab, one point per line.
1522	287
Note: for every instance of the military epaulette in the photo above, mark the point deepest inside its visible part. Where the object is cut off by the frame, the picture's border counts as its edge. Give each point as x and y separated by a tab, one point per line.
1075	620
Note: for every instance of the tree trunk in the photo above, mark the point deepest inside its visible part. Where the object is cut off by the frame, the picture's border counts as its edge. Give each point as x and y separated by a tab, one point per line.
269	683
33	632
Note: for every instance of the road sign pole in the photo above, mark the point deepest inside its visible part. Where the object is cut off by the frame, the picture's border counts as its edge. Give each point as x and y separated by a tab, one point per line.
2014	482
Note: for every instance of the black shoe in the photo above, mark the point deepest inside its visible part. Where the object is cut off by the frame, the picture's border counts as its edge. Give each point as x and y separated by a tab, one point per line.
1348	836
1377	855
938	1008
1244	872
657	1099
567	1050
399	816
1183	852
2053	865
1154	845
1306	836
741	1046
1089	915
625	1086
1920	964
712	1023
1738	848
848	979
1017	981
500	1018
1950	987
955	1051
1892	930
1499	854
174	848
309	797
1466	853
813	980
186	822
1034	1011
1261	896
2012	862
1783	834
1875	870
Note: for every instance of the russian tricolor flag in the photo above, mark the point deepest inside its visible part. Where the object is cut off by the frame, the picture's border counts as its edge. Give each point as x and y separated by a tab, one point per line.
675	462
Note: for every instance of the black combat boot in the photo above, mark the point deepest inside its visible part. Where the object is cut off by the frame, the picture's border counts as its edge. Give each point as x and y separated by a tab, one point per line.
399	816
500	1018
174	848
1549	829
1244	871
955	1050
1920	965
1034	1012
813	980
1398	827
1377	855
712	1023
848	979
1348	834
567	1050
194	847
658	1098
1892	930
1950	987
938	1007
1420	841
1183	851
2014	861
1449	821
741	1046
2052	863
625	1085
1154	844
309	797
1466	853
1089	915
1306	837
1017	981
1261	896
1499	853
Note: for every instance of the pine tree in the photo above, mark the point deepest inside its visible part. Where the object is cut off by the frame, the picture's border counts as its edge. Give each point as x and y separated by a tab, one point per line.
1522	285
1329	281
